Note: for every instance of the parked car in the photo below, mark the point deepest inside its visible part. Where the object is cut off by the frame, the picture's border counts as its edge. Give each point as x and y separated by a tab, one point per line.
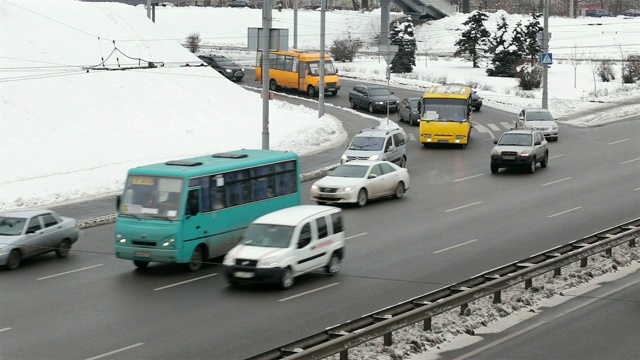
408	111
241	3
476	101
378	144
287	243
224	66
598	13
538	119
360	181
27	233
373	98
632	12
520	148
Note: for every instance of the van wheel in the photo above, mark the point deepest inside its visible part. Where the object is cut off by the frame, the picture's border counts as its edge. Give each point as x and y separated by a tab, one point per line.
333	266
362	197
64	248
196	260
403	162
140	264
14	260
286	282
371	108
399	191
273	85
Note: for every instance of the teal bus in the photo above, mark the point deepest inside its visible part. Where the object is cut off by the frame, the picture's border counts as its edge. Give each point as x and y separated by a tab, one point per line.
188	211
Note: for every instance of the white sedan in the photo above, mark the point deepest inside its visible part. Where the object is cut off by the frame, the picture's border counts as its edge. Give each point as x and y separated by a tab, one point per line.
360	180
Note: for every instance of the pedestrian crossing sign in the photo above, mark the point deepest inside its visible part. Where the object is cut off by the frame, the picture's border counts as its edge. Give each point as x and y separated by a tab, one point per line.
546	58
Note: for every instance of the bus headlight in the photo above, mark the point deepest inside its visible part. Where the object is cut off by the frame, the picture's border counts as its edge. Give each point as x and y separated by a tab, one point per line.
120	239
169	242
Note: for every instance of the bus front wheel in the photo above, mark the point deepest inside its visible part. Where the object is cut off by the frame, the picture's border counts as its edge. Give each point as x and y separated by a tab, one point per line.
311	91
196	260
140	264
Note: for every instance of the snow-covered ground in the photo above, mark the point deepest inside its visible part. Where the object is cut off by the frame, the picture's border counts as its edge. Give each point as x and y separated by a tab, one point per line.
69	134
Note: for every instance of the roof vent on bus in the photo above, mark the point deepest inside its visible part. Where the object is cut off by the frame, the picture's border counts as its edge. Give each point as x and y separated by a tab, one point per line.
183	163
229	156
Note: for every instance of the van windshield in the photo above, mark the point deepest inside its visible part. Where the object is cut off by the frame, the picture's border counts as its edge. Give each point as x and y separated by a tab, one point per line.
367	143
267	235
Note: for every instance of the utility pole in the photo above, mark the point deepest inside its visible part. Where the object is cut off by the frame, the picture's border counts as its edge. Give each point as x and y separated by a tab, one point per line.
545	50
149	9
295	24
266	64
323	4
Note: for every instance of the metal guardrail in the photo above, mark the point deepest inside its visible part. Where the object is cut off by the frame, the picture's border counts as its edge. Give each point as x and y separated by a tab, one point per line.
339	339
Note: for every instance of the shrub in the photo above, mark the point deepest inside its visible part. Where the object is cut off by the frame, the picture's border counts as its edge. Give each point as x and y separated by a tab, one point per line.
345	49
605	70
631	69
530	76
193	42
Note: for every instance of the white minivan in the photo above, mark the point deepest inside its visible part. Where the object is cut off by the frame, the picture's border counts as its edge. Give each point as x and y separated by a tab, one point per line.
287	243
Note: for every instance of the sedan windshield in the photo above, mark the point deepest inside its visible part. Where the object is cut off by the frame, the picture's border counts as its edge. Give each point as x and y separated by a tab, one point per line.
11	225
367	143
515	140
539	116
224	61
379	92
350	171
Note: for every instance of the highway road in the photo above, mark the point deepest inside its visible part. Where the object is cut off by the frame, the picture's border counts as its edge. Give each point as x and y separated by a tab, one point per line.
457	220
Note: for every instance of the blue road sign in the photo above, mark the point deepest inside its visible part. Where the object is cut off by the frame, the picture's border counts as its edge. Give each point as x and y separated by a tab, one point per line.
546	58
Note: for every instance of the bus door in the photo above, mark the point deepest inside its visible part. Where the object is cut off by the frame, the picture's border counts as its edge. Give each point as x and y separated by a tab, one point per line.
302	78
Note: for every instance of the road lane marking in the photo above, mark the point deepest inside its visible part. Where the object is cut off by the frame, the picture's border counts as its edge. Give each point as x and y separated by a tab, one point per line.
629	161
5	329
556	156
455	246
463	206
493	127
115	351
355	236
566	211
557	181
185	282
507	125
618	142
468	177
308	292
69	272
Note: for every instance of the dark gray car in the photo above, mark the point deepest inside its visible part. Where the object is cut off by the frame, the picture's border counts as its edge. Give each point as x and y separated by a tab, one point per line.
224	66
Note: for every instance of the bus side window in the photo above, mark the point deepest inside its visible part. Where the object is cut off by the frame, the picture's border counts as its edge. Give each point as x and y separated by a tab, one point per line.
193	202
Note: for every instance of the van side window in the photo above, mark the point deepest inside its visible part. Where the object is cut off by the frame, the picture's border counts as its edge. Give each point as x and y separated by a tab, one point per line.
305	236
322	228
398	139
336	219
387	145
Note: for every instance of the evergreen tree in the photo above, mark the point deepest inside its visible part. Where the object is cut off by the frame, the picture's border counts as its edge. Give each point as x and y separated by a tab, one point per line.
402	34
531	30
474	41
518	39
497	42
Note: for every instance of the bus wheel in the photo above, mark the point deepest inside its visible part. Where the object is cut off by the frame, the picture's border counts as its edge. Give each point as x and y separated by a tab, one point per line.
196	260
311	91
273	85
140	264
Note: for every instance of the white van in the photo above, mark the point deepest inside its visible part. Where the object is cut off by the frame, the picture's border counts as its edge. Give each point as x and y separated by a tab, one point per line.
286	243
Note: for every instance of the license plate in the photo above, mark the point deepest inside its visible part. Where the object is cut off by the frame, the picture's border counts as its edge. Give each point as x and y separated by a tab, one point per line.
328	195
443	140
508	158
142	254
243	274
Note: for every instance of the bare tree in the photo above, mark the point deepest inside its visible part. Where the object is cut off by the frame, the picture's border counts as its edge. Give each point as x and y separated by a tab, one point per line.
593	66
574	60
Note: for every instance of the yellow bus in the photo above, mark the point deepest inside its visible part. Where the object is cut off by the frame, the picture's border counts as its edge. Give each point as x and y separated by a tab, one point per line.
298	69
445	115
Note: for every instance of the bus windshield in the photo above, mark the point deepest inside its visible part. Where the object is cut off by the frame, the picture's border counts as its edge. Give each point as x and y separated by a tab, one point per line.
445	110
328	67
149	196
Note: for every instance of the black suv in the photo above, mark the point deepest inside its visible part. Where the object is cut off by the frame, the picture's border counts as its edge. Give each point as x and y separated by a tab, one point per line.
224	66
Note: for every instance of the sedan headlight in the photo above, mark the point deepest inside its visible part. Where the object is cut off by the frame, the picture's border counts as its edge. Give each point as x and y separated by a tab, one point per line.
345	189
379	102
314	187
228	70
524	153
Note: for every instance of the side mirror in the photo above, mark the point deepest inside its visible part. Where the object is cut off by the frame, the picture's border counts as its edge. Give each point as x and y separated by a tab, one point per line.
372	176
118	203
537	143
495	141
31	231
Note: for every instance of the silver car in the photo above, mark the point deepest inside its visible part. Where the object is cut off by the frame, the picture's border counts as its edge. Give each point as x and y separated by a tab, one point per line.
360	180
538	119
27	233
520	148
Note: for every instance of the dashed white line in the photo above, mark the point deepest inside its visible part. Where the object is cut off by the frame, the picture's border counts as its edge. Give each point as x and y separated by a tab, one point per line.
468	177
308	292
5	329
493	127
455	246
618	142
186	281
557	181
115	351
566	211
463	206
629	161
507	125
69	272
556	156
355	236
